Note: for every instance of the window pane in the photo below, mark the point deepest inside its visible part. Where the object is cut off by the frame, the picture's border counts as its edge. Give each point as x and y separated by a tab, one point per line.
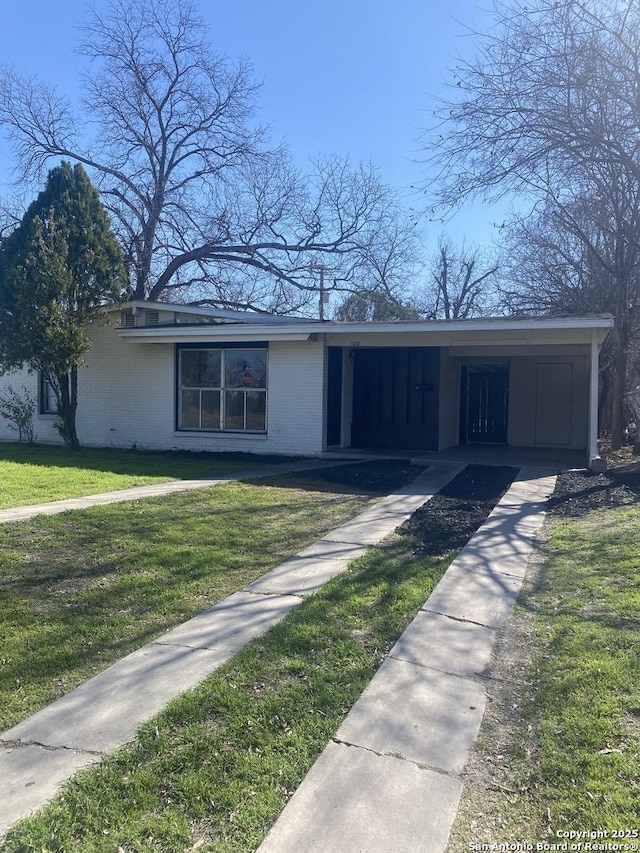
245	368
190	410
189	361
200	368
234	410
210	403
48	402
256	410
209	376
51	402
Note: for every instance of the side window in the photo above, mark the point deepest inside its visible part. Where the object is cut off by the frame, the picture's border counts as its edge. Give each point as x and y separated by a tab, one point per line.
47	403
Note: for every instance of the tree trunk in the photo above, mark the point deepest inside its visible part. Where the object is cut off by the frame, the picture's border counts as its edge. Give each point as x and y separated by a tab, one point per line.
620	336
68	407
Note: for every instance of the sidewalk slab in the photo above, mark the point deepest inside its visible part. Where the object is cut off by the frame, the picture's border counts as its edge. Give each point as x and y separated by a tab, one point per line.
480	596
305	575
353	801
31	775
329	550
232	623
420	714
445	644
105	712
483	582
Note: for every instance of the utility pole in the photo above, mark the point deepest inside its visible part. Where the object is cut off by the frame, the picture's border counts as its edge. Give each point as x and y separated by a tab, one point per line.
324	294
321	293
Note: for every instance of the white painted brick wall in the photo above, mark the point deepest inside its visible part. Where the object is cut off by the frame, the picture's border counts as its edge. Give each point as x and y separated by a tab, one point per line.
126	394
42	424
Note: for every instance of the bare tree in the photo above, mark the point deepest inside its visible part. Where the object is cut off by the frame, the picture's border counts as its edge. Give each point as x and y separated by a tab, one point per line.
461	282
552	92
550	106
199	196
365	307
583	257
564	260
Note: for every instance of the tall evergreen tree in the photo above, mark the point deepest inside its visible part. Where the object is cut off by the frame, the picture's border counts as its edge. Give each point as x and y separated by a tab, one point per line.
59	269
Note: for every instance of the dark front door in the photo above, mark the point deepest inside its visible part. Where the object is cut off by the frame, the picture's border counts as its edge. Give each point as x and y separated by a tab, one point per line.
395	398
484	404
334	395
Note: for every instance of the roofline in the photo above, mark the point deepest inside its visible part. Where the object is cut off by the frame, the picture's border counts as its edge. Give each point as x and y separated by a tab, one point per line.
475	324
202	311
585	321
217	331
304	328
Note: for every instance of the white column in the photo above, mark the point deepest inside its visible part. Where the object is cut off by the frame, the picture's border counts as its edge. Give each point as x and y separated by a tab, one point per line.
592	435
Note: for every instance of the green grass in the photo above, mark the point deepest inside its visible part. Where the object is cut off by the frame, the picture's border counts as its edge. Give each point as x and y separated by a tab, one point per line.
39	473
571	750
588	698
214	770
81	590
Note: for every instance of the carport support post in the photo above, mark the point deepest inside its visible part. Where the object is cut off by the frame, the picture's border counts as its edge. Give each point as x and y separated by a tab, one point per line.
595	462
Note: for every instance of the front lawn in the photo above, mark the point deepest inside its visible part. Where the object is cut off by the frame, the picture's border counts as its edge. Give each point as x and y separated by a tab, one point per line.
587	696
213	771
39	473
82	589
559	749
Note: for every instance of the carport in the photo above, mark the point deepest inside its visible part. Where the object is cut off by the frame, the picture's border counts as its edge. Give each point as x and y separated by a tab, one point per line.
493	383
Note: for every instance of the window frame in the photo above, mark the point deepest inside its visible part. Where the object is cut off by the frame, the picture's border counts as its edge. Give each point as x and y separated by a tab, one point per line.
46	397
223	389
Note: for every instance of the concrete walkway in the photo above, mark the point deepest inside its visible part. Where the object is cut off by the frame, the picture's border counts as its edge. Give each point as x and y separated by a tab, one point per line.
21	513
391	778
104	713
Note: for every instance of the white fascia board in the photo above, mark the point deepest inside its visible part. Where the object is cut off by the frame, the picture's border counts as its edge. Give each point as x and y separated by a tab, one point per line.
477	331
220	332
501	324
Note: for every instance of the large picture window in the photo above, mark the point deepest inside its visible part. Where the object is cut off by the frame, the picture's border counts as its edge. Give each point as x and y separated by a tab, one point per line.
222	389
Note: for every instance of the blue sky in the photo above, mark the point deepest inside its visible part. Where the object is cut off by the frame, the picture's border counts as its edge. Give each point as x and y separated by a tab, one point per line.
356	77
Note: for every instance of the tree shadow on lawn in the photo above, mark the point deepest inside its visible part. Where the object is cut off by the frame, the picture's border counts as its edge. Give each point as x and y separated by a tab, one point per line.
125	593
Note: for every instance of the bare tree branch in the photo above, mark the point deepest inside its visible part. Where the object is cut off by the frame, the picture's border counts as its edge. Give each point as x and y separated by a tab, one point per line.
550	105
192	183
461	282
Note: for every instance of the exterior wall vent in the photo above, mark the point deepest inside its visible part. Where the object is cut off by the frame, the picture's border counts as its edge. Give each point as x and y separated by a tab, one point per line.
127	320
153	318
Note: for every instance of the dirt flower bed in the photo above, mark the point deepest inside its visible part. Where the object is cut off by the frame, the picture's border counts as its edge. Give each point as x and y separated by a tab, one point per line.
450	518
578	492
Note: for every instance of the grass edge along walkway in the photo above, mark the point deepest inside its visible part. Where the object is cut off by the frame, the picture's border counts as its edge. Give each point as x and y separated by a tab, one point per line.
168	487
567	757
47	473
373	519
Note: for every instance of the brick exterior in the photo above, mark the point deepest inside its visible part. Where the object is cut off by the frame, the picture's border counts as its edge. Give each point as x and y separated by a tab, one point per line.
126	394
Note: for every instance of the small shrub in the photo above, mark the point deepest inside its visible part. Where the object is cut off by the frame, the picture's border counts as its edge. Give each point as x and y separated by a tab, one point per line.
19	409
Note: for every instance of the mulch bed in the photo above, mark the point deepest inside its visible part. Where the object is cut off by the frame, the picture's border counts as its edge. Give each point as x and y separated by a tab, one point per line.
578	492
378	477
450	518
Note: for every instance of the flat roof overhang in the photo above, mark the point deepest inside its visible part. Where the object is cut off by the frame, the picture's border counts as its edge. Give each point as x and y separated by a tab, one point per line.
475	332
212	333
